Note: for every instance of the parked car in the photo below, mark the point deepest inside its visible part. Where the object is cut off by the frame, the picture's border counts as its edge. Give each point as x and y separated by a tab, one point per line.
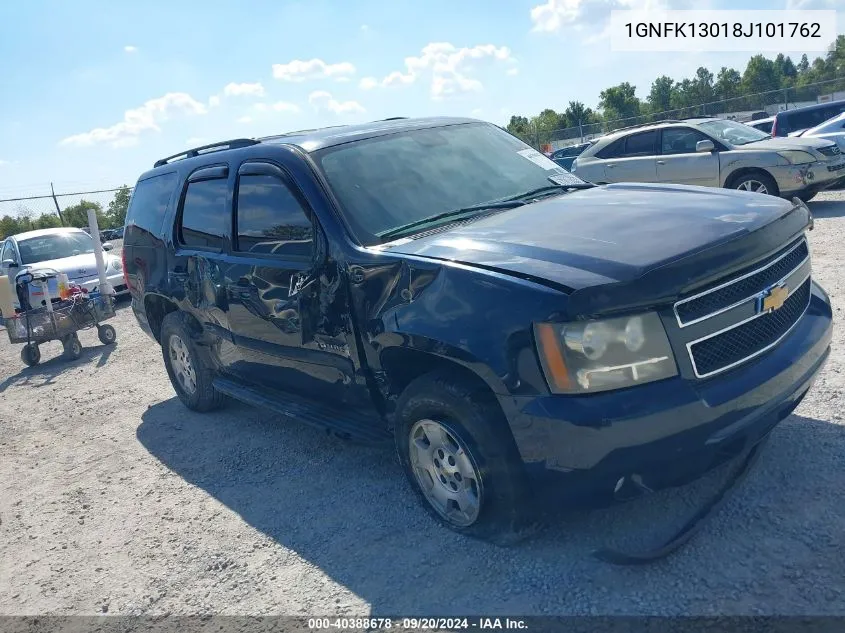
832	130
67	250
764	125
789	122
117	234
714	153
519	334
565	156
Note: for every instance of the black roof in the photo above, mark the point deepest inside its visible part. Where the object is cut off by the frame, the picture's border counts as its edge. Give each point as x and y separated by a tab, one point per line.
814	106
319	138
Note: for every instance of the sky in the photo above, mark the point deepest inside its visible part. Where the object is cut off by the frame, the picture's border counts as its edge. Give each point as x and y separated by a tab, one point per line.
93	93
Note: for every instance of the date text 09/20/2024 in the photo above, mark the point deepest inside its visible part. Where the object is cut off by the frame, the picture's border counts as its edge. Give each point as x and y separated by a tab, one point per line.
417	623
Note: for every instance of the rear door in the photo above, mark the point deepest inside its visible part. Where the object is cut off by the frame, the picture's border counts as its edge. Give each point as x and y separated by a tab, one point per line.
632	158
281	301
680	163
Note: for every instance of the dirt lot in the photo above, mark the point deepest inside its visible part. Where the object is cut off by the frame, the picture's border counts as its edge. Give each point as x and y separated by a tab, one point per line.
116	499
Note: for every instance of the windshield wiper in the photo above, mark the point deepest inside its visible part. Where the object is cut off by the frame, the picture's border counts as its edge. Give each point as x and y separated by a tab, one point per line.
550	189
454	213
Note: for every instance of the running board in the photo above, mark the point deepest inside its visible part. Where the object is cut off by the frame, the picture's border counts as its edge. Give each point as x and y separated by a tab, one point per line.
349	425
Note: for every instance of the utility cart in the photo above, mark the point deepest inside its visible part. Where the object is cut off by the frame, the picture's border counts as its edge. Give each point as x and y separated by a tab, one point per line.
57	321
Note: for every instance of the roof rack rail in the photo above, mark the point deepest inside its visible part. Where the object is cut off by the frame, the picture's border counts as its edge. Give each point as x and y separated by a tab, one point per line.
394	118
205	149
632	127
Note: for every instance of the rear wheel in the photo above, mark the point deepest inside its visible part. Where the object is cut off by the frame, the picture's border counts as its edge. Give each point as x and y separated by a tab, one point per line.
756	182
30	355
188	364
106	334
460	458
72	347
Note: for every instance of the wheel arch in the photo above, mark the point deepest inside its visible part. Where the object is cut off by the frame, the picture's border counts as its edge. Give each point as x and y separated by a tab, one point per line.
735	175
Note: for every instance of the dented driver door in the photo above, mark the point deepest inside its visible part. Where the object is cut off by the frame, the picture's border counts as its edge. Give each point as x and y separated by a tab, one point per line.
281	303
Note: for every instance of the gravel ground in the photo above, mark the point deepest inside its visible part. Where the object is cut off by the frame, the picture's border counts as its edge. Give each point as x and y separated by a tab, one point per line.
116	499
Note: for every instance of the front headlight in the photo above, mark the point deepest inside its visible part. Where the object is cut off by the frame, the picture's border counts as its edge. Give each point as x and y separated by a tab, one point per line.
797	157
590	356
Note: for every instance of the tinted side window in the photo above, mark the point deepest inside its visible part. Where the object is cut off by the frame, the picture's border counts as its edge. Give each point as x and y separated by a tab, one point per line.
681	140
270	218
148	203
641	144
615	149
205	214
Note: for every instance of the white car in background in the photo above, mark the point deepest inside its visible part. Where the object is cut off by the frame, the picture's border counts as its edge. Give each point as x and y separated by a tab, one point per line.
66	250
832	130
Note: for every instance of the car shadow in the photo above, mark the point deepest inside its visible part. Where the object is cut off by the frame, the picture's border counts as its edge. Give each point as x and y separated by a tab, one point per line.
349	511
52	365
827	208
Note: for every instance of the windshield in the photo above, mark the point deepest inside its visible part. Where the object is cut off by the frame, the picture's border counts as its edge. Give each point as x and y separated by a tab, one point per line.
733	132
54	246
392	181
836	124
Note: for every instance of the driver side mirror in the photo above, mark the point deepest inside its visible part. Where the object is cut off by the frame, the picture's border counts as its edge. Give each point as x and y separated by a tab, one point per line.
10	263
107	246
704	146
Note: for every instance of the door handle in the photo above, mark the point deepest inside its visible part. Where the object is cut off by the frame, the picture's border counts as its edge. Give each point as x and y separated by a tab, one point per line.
661	162
610	165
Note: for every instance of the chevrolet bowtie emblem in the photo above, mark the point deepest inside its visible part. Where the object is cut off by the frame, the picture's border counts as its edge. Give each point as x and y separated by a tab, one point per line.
774	299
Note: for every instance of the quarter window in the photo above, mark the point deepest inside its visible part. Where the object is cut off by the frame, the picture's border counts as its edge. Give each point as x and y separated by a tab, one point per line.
205	214
270	218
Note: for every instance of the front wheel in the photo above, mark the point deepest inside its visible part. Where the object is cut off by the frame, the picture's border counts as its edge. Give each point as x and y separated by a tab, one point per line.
460	458
756	182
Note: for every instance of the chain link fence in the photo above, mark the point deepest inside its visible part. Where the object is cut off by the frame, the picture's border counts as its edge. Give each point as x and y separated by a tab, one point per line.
742	108
18	214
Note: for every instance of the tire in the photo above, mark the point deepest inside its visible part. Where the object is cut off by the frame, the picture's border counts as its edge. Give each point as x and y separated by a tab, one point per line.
106	334
30	355
72	347
477	445
757	182
188	364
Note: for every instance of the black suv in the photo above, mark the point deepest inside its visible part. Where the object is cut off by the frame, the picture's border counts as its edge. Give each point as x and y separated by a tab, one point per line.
517	333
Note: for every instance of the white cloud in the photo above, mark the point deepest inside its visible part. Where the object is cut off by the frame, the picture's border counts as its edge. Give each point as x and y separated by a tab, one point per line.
3	163
196	141
279	106
139	120
447	66
368	83
556	14
477	112
245	119
130	49
322	100
214	101
300	70
238	90
512	71
365	27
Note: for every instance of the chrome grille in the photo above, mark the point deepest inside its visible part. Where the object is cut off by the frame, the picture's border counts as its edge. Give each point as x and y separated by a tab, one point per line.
748	314
744	341
727	294
833	150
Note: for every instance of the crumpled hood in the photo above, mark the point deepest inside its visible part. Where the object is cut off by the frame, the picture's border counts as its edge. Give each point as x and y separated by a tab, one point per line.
614	235
783	143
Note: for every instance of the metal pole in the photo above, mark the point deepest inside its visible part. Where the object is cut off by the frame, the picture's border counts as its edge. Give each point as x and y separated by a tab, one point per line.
56	202
104	287
581	130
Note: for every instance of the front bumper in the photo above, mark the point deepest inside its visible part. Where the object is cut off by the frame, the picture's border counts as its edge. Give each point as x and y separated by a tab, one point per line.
810	178
115	279
668	432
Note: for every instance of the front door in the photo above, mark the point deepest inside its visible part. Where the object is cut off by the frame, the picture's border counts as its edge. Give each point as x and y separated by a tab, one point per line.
279	309
680	163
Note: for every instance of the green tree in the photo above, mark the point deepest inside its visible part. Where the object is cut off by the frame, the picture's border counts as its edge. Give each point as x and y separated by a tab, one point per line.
9	226
728	83
681	97
660	96
116	212
619	102
701	87
77	214
760	75
47	221
577	113
519	126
